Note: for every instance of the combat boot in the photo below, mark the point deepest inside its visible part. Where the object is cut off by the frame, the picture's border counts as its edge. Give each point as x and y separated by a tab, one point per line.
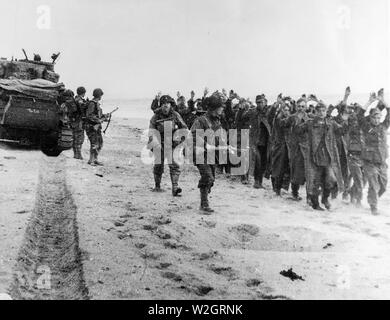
204	202
77	154
74	152
295	192
374	210
244	179
92	158
315	204
325	199
97	162
176	191
258	184
157	182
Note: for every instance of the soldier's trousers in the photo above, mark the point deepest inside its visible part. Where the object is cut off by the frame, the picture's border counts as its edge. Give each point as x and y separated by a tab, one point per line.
158	168
356	173
78	133
324	179
260	153
376	175
95	138
207	176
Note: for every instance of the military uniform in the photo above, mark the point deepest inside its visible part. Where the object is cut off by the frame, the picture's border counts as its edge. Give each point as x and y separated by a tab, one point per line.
374	155
298	149
323	167
354	141
77	124
157	123
280	167
93	128
343	155
259	142
206	170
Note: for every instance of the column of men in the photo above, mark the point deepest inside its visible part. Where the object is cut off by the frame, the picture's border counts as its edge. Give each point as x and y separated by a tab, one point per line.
292	143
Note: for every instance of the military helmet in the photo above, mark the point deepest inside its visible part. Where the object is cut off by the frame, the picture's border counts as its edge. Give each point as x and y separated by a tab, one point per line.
167	99
213	102
97	93
68	93
81	90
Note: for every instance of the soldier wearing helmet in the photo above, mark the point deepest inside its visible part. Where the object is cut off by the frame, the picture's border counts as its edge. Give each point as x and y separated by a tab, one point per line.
77	122
209	121
165	114
93	127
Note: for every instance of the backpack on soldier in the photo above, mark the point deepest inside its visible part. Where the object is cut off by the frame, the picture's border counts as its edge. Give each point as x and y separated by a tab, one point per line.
84	107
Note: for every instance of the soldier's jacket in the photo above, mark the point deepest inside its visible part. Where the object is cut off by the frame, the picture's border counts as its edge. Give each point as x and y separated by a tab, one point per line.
374	138
298	147
354	136
260	129
315	130
94	114
279	146
80	102
228	116
157	123
205	122
187	112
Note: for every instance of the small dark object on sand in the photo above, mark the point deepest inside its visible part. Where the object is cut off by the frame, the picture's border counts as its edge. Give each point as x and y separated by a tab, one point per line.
99	175
328	245
291	274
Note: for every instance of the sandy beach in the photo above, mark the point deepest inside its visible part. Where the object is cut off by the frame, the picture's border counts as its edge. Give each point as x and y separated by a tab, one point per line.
112	238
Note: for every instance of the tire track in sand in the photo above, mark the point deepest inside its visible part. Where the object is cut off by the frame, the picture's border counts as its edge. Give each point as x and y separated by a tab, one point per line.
49	264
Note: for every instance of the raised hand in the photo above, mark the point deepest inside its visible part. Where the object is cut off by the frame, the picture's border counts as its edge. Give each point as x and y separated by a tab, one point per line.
381	94
224	92
178	94
205	92
192	95
373	97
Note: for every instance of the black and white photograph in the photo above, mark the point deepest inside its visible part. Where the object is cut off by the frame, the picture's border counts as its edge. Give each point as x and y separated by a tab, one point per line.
193	150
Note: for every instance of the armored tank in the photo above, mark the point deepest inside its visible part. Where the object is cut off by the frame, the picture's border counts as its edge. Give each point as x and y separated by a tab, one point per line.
33	105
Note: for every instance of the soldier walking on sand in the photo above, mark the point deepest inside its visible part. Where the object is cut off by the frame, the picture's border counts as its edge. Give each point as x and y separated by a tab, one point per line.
259	138
77	122
298	147
323	168
94	120
374	153
210	122
163	114
280	165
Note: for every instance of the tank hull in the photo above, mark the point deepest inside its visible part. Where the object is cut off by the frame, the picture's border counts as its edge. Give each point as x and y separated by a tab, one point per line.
37	123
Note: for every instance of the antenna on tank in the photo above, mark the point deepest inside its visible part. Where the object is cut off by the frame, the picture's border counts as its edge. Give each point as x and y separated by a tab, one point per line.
25	54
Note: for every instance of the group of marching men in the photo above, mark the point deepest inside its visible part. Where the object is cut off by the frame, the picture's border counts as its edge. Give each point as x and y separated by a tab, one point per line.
329	149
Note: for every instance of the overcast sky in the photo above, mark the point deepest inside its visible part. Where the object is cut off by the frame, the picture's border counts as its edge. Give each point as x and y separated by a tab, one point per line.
133	48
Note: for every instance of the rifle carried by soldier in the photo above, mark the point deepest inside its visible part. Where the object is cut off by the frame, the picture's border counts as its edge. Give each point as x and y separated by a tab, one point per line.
108	117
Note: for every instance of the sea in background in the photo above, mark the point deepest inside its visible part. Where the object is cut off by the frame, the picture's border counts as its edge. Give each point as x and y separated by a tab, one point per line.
140	108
